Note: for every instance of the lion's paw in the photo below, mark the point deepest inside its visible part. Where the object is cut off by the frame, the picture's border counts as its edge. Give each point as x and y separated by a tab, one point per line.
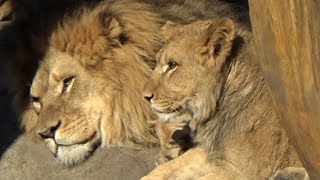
290	173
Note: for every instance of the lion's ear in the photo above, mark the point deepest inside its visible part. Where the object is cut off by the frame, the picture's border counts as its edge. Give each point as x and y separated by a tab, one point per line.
220	37
168	29
114	31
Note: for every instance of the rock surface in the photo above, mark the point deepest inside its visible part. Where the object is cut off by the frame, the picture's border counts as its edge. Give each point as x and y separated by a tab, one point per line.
27	160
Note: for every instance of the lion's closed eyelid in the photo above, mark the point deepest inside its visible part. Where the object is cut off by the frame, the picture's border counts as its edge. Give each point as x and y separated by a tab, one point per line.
36	103
34	98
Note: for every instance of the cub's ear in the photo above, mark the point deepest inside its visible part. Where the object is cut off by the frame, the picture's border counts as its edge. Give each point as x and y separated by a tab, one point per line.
113	30
219	42
168	29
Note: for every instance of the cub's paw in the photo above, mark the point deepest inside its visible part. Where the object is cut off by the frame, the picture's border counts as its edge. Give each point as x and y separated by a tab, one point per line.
175	139
290	173
162	159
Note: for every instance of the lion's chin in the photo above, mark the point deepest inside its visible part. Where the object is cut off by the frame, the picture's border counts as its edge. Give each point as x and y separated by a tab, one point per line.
181	114
168	114
73	154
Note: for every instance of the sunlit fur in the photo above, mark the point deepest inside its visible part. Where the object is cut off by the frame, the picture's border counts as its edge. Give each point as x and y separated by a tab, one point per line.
217	82
88	47
109	48
175	138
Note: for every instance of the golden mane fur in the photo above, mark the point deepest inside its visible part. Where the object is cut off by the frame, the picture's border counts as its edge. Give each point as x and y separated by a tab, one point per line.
207	70
114	47
84	64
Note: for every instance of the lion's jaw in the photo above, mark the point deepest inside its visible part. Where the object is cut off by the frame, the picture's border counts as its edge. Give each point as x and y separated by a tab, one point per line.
192	106
73	154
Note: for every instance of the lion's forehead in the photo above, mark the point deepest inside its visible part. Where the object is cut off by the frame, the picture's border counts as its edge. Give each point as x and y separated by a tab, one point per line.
57	64
61	63
184	47
40	81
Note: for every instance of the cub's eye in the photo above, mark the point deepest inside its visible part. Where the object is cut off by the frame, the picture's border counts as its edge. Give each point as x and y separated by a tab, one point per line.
171	65
66	84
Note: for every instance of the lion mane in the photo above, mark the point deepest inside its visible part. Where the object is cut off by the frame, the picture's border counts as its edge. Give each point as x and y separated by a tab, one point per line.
77	68
115	43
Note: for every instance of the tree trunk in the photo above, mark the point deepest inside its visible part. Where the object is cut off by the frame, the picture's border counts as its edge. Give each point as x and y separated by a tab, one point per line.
287	39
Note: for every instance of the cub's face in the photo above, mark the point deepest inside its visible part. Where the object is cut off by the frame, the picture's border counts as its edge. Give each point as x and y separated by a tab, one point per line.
187	76
68	107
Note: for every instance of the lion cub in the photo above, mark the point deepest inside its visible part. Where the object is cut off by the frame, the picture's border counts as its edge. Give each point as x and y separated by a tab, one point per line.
207	69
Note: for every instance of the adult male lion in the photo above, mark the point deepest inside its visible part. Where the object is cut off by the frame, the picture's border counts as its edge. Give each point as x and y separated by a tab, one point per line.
86	91
87	88
206	70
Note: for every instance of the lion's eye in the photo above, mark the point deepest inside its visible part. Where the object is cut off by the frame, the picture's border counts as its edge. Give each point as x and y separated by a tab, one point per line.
35	99
36	103
171	65
66	83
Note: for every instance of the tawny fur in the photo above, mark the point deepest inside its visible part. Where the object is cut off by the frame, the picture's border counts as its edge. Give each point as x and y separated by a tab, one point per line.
218	83
175	138
91	50
108	48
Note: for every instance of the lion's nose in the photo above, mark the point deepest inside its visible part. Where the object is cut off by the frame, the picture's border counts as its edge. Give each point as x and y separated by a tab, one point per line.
50	132
148	97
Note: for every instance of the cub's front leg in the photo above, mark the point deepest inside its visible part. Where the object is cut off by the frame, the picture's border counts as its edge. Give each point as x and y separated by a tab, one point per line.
175	139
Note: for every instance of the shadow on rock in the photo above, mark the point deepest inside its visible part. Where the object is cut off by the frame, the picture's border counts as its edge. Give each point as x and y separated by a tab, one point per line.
9	129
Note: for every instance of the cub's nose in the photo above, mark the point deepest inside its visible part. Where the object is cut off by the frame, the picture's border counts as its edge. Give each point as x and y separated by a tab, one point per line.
148	97
49	132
